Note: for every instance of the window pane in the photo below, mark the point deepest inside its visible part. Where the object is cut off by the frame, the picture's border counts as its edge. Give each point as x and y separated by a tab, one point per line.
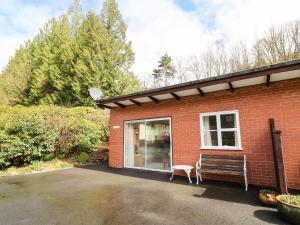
229	138
210	138
135	144
210	122
158	149
228	121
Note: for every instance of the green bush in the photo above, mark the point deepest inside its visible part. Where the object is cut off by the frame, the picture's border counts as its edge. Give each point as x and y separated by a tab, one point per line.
83	157
24	141
291	199
44	132
81	136
36	165
48	157
267	191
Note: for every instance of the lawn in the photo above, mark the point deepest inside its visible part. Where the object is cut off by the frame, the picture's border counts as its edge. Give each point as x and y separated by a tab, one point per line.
38	166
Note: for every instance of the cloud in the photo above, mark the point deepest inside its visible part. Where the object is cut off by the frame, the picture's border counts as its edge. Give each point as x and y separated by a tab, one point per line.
156	27
247	19
20	21
179	27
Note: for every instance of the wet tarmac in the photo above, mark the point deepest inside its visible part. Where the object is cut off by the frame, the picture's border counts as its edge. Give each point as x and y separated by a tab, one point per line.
90	196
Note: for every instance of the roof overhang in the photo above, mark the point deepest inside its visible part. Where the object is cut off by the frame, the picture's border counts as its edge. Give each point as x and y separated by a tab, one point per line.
262	75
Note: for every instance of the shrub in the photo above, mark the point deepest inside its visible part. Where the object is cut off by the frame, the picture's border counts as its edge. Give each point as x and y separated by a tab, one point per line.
36	165
83	157
24	141
291	199
267	191
81	136
48	157
44	132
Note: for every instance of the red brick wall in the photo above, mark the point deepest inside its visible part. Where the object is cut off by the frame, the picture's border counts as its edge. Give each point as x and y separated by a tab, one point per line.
256	104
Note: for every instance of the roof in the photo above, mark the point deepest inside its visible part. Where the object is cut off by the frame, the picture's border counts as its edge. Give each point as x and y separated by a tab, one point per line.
266	74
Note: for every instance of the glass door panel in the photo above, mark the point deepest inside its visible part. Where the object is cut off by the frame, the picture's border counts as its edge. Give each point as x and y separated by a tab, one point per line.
135	144
148	144
158	152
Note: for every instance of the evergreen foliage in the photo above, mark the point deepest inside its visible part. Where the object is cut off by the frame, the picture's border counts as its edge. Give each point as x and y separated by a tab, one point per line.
69	55
38	133
165	71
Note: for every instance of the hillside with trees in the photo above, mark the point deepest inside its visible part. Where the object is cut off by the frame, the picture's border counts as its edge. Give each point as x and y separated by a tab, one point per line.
69	55
278	44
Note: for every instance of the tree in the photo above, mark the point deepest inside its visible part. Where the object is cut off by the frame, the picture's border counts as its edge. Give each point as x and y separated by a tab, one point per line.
195	67
118	52
239	58
280	43
182	72
16	75
165	71
77	51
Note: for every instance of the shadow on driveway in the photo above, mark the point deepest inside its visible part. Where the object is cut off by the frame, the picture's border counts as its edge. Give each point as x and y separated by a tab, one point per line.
268	216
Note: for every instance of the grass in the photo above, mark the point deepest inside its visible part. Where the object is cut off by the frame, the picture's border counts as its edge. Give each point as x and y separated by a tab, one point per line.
38	166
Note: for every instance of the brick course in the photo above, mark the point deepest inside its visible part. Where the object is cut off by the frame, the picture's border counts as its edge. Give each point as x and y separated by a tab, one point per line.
256	104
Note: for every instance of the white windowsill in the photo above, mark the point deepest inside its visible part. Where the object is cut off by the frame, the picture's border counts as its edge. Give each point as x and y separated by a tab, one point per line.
225	148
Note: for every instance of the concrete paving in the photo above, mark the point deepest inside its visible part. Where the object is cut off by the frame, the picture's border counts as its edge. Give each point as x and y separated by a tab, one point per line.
107	196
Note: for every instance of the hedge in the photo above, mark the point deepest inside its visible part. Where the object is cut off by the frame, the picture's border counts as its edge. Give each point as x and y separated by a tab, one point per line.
44	132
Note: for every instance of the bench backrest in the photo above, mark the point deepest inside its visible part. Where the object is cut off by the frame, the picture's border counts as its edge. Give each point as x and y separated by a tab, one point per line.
227	164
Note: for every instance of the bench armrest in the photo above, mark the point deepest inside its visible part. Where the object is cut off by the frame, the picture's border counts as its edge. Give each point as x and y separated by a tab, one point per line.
245	163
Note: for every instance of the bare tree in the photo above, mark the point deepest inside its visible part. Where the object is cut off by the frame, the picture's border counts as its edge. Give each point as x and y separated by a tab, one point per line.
280	43
194	67
239	57
293	31
214	60
182	72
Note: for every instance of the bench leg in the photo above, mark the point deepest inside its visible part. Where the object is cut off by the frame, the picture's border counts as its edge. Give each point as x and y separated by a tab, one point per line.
172	174
246	181
198	175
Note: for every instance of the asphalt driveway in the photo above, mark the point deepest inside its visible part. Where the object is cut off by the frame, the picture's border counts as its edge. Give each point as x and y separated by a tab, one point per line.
91	196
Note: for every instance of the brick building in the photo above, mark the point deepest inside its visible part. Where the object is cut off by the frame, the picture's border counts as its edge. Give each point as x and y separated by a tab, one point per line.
227	115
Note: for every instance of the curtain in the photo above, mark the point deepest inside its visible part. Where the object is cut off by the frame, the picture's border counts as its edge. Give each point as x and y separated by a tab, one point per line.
206	131
129	144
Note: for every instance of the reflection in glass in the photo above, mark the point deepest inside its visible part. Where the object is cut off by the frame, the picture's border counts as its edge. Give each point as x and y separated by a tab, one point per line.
229	138
158	144
147	144
228	121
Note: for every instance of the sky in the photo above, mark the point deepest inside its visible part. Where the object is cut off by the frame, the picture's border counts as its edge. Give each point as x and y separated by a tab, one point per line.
179	27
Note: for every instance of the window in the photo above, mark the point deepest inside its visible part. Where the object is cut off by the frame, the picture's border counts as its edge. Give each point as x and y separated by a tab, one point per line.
220	130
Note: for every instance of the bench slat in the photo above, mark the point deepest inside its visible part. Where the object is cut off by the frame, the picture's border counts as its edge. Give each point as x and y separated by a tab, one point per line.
232	157
220	161
227	172
223	164
223	167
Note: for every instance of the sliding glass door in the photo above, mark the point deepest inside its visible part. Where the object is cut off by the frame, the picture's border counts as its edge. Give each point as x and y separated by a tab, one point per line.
147	144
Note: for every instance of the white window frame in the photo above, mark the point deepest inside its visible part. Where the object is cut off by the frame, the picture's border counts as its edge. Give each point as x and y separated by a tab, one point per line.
219	130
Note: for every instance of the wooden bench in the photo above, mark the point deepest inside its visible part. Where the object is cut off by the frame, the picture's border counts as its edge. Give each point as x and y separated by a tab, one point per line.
222	164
